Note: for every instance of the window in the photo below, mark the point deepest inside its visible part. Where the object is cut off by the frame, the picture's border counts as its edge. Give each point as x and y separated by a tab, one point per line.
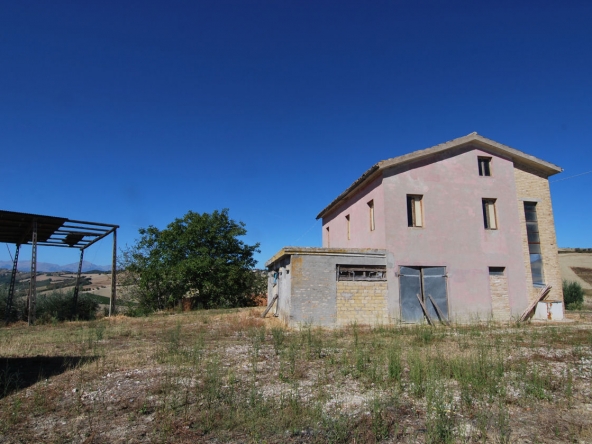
497	271
489	217
534	243
414	211
371	208
484	166
348	227
361	273
328	238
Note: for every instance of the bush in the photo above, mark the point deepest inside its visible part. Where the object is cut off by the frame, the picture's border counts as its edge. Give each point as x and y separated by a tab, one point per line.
573	295
50	307
57	306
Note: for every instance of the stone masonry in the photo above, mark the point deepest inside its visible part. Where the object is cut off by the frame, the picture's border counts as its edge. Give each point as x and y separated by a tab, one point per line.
363	302
531	186
500	303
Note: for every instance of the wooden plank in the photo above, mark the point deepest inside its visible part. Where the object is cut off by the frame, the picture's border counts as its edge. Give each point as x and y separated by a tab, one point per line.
275	298
425	312
442	318
544	292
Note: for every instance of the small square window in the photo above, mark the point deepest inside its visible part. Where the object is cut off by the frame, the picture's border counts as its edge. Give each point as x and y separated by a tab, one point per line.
497	271
484	166
489	216
414	211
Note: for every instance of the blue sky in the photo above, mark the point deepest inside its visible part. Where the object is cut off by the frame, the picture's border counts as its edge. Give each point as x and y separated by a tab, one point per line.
135	112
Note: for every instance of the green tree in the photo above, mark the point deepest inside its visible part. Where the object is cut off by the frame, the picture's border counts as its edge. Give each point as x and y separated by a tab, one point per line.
573	295
199	255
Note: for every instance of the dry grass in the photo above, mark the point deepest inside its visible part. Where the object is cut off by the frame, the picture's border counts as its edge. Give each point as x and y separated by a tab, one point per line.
583	273
230	376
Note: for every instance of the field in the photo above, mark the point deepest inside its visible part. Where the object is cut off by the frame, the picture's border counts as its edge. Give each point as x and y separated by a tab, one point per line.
230	376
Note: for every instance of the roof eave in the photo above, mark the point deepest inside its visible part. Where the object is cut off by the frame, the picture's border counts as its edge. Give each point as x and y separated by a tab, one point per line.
545	167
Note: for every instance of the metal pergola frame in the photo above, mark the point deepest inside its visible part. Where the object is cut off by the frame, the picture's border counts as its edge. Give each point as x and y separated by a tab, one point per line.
38	230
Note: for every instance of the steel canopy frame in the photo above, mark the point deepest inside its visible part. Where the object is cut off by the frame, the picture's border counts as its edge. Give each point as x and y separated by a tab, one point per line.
35	229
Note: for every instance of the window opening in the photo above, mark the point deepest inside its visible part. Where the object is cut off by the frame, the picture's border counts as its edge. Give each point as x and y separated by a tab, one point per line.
348	227
371	207
534	243
328	237
361	273
489	216
414	211
484	166
497	271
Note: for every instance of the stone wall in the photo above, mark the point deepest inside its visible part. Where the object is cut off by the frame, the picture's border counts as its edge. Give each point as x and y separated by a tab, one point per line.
531	186
364	302
500	303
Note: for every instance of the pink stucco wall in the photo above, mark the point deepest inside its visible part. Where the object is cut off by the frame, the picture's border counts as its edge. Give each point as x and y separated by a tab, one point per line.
359	212
453	234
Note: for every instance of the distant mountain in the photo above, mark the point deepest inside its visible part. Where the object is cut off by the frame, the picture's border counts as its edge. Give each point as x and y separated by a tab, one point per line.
45	267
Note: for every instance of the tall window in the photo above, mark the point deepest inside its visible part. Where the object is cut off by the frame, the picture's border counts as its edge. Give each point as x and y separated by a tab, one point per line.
484	166
414	211
347	221
534	243
489	216
371	208
328	237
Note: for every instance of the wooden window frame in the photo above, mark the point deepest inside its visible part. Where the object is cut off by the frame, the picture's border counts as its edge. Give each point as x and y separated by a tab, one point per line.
415	206
490	221
484	164
348	223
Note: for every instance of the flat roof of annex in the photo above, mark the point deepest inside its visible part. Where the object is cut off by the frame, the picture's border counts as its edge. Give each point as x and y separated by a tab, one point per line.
319	251
475	139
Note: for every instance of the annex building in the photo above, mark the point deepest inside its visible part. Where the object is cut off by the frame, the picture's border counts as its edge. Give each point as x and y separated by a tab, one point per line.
458	232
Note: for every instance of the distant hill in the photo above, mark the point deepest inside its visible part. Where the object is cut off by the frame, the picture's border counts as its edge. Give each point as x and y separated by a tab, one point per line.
46	267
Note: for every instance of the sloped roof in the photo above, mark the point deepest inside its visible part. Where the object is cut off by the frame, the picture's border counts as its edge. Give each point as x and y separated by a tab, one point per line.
475	139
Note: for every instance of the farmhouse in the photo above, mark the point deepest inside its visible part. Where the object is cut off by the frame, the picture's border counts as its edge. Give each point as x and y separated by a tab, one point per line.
458	232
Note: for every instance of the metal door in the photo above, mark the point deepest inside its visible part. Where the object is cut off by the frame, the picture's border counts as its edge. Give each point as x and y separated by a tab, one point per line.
427	283
434	291
410	288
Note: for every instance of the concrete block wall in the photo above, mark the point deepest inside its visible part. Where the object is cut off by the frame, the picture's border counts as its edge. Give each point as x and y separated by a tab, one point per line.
314	285
364	302
531	186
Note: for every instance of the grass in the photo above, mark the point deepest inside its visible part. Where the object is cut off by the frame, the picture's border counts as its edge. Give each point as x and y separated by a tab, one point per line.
230	376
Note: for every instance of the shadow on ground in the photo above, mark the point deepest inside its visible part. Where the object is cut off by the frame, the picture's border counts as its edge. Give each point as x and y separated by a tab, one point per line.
19	373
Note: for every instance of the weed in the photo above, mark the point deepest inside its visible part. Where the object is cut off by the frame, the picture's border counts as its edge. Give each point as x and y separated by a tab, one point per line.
278	336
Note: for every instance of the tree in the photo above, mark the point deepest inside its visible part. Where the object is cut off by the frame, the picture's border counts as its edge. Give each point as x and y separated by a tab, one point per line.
573	295
199	255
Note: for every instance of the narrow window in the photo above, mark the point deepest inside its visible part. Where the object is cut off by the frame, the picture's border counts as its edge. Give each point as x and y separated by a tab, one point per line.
328	238
484	166
497	271
534	243
348	227
414	211
371	208
489	217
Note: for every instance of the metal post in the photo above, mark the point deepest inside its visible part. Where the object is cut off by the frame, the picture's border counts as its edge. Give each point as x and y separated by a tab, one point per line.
12	281
76	287
113	275
33	280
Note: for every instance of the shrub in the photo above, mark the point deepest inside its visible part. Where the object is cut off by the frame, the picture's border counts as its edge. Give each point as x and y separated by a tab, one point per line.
573	295
58	306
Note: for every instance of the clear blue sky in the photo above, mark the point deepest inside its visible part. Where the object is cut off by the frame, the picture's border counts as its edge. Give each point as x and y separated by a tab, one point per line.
134	112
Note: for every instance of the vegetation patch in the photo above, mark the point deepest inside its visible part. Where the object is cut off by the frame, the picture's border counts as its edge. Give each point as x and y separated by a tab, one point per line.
230	376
